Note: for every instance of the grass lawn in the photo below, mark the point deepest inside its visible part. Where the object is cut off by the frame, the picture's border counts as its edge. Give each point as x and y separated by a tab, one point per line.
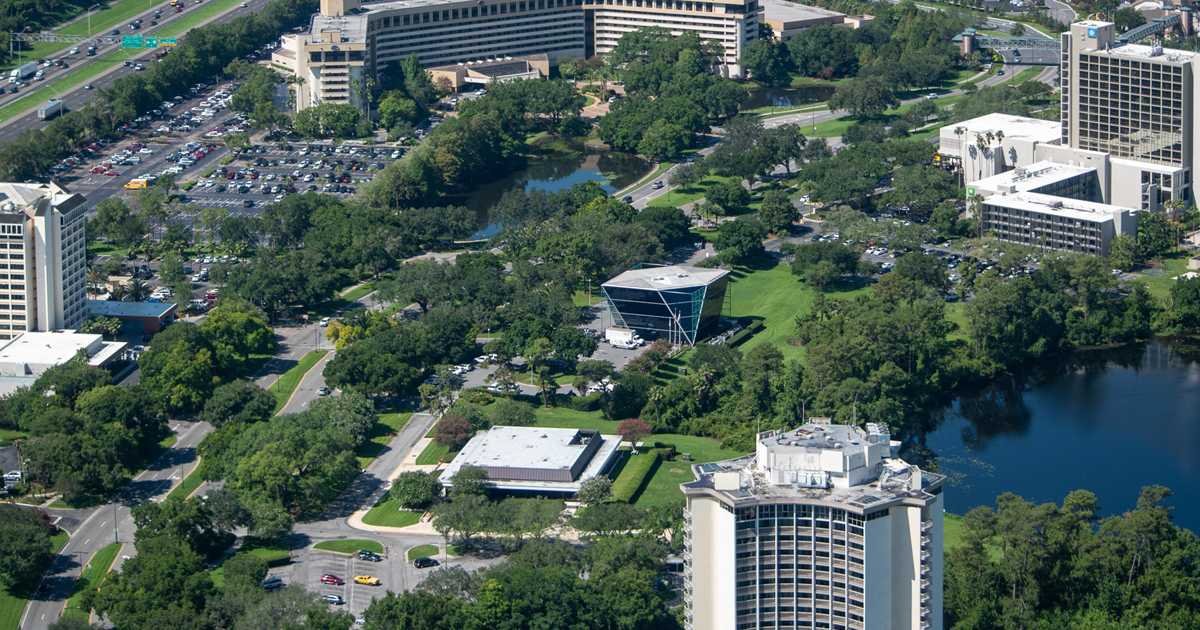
354	294
951	531
288	381
8	435
187	486
12	606
349	546
956	312
688	194
778	297
434	453
387	513
1024	76
93	574
663	487
1161	278
389	424
582	298
168	441
422	551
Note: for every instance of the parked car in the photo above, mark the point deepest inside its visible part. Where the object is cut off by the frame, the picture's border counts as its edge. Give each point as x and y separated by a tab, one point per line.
336	600
332	579
367	580
272	583
369	556
425	563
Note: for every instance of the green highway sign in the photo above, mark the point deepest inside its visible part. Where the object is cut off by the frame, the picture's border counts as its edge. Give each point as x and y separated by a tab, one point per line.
137	41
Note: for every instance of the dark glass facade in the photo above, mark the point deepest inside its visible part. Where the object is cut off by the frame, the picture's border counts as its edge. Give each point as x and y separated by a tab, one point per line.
680	315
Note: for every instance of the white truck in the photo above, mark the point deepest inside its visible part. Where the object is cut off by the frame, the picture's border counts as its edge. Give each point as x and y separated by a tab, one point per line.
52	108
22	72
622	337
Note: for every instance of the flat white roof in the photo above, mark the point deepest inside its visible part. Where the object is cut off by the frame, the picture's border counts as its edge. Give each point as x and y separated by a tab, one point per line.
1012	126
666	278
532	448
1030	177
1148	53
54	348
1049	204
793	12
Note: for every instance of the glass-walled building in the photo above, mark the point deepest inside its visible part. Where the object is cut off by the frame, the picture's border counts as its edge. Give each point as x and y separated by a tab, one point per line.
677	303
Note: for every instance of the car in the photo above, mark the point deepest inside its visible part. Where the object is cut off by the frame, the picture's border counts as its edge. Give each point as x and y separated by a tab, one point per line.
324	322
329	578
627	198
425	563
323	391
272	583
367	580
369	556
75	50
657	185
336	600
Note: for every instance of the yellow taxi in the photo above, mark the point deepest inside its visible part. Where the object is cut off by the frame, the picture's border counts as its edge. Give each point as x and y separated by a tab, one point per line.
369	580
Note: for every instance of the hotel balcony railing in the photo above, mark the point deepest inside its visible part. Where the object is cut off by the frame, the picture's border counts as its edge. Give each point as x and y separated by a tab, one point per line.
925	556
925	541
925	598
924	584
926	526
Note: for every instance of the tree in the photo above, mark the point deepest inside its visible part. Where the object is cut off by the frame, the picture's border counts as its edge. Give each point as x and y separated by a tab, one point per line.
115	221
822	263
453	431
238	401
921	188
179	367
824	51
595	490
669	225
633	430
236	330
162	586
468	481
663	141
330	120
923	269
863	97
24	547
414	489
777	212
1155	234
730	195
245	571
396	108
415	611
509	412
768	61
740	241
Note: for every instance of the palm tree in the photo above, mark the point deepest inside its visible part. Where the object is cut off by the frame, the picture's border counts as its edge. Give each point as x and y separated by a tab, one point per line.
137	291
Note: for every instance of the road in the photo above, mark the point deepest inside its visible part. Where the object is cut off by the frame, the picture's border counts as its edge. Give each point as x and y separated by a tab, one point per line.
1061	11
77	97
108	523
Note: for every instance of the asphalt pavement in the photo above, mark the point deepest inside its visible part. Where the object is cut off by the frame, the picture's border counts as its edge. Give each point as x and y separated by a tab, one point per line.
77	97
105	524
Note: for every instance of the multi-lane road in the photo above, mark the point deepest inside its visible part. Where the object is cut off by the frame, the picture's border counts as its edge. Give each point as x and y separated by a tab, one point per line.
76	96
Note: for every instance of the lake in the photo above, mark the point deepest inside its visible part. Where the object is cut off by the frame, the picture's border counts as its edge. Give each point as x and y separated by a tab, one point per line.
611	169
788	97
1107	421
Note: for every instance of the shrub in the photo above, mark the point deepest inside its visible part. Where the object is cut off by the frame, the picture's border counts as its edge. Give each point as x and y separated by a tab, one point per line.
634	475
591	402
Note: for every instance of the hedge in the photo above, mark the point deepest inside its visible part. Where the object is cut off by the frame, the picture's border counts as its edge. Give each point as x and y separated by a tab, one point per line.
742	335
634	475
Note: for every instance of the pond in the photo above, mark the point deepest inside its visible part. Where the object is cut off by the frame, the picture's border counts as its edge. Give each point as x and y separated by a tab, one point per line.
611	169
1107	421
788	97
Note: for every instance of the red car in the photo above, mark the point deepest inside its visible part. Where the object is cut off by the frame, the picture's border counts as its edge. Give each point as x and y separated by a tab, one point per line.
96	170
332	579
112	173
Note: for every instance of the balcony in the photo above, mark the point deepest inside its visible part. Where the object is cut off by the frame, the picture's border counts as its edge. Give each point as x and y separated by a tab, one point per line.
925	555
924	584
926	526
925	541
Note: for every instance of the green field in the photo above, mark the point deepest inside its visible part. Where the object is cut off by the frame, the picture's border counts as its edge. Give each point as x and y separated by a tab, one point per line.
777	297
187	486
13	606
387	513
663	487
354	294
8	435
422	551
349	546
434	453
1161	277
93	574
687	194
389	425
282	388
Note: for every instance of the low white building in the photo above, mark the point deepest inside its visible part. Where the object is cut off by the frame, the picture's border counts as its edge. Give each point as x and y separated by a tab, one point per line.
33	353
1058	223
536	459
991	144
1048	178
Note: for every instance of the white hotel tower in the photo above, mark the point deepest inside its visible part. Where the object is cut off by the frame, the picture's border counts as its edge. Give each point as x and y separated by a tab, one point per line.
823	527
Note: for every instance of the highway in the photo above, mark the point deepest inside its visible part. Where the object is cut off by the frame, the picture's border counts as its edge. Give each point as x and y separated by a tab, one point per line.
1061	11
76	97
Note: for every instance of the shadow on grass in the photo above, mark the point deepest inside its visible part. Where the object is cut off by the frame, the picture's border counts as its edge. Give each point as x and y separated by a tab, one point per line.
646	481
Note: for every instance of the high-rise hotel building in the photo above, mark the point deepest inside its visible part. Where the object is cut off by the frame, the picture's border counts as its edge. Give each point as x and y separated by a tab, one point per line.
1135	103
822	527
42	259
348	40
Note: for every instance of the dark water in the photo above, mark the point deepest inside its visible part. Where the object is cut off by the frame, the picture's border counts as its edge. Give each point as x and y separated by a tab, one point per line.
1110	422
612	170
787	97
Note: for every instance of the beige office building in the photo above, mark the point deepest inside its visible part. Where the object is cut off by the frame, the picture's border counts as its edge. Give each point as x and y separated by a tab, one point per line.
822	527
1057	223
1134	103
349	41
42	259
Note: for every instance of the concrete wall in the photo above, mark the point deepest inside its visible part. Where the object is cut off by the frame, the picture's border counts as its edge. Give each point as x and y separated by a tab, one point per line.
714	566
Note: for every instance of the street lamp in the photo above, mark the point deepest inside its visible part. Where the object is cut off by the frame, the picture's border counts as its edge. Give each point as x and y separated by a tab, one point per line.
90	10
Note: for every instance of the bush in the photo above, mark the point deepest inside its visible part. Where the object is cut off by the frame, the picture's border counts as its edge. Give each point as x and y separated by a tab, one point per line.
634	475
744	334
591	402
476	396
